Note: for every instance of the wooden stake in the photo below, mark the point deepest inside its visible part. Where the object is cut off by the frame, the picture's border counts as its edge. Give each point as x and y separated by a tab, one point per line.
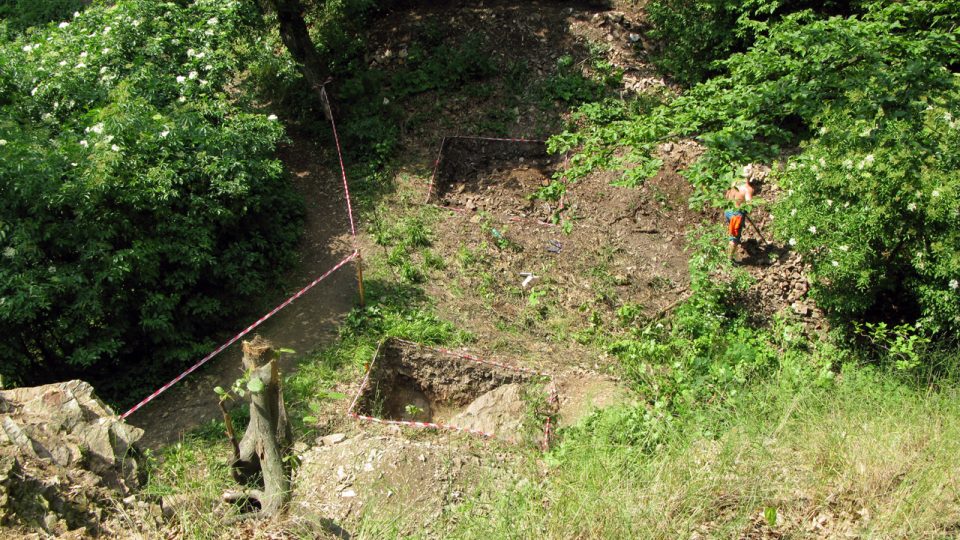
363	299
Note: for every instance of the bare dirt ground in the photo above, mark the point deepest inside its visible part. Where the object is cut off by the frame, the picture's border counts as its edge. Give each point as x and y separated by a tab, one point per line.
626	245
306	324
524	285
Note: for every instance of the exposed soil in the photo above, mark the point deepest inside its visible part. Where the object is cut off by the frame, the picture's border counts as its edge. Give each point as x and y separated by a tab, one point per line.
494	176
409	382
391	478
306	324
626	245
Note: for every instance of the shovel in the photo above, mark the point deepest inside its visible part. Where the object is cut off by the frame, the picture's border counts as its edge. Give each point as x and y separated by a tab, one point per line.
760	234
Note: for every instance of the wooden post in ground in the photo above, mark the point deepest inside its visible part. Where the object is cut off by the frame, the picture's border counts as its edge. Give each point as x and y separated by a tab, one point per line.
363	300
268	437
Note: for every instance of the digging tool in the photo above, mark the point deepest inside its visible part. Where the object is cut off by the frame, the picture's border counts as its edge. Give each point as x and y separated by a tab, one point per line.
760	234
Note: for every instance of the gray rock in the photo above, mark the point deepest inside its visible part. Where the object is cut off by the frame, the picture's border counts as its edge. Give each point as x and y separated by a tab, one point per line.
171	505
499	412
333	439
63	454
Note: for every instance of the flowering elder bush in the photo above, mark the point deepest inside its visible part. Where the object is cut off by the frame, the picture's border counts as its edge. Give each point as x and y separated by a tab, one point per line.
139	206
875	207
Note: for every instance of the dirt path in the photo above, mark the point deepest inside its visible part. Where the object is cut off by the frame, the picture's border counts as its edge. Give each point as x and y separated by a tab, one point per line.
304	325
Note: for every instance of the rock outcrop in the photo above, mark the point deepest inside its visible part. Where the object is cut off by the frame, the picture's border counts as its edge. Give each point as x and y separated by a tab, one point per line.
499	412
65	457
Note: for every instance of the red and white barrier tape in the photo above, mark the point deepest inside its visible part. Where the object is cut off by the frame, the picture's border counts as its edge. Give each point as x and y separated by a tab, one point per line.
351	412
343	170
288	301
234	339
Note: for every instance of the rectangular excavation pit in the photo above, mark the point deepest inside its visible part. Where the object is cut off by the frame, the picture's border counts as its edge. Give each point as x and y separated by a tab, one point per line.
413	385
492	175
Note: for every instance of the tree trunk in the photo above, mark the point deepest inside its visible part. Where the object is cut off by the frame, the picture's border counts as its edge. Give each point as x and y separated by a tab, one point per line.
294	34
268	436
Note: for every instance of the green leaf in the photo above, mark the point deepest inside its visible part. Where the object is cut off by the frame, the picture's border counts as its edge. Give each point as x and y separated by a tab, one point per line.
255	385
770	514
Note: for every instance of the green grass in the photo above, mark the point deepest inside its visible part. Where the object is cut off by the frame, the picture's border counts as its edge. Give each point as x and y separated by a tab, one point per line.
196	472
875	456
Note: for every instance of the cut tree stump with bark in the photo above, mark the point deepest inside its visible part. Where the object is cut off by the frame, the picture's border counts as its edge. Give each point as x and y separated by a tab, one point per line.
268	437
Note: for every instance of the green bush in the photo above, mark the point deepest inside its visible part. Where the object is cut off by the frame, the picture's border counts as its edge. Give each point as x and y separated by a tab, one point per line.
874	205
695	36
16	16
141	209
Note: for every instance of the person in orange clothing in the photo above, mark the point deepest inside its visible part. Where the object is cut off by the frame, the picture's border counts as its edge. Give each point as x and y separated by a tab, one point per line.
740	192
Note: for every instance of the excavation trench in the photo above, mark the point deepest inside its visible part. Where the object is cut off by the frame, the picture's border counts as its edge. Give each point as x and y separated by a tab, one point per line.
493	175
410	383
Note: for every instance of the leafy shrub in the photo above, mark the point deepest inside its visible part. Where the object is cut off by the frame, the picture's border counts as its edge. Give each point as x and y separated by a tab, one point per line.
695	36
140	209
16	16
706	354
569	85
873	204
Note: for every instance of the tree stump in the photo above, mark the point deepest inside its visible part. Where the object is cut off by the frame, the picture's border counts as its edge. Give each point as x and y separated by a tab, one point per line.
268	437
